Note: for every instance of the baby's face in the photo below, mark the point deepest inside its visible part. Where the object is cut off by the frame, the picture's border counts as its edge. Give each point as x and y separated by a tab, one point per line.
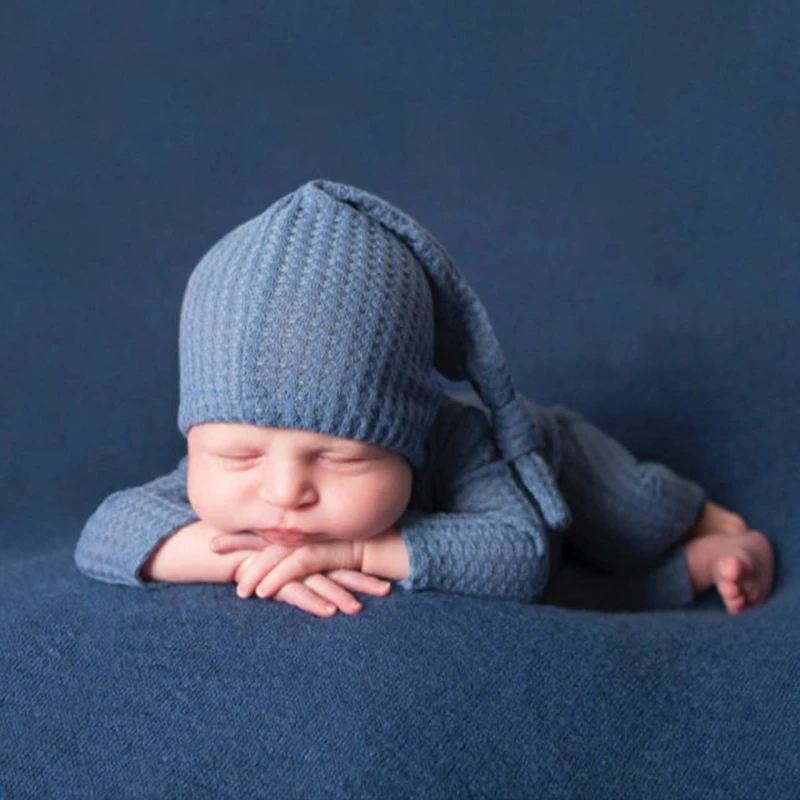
247	478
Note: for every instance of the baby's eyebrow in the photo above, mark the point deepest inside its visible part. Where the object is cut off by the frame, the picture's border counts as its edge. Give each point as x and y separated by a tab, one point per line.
238	444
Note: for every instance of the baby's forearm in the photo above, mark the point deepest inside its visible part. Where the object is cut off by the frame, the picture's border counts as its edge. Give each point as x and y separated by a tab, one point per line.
386	556
185	557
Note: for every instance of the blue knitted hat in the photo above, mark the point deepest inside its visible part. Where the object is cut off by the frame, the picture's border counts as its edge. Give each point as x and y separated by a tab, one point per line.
328	313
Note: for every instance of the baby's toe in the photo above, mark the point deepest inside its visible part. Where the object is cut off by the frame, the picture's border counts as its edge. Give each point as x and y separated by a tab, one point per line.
752	591
730	591
728	568
736	605
732	596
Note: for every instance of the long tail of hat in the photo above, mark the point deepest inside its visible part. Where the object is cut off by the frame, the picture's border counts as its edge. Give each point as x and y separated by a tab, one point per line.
466	348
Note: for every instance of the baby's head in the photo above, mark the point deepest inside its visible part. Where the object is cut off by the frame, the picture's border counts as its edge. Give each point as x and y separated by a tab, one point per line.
306	355
314	328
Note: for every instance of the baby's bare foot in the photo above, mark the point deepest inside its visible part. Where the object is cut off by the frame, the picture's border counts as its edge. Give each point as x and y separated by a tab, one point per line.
740	566
717	519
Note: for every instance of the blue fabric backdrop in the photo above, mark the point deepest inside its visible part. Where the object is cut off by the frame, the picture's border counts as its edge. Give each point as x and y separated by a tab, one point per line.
618	180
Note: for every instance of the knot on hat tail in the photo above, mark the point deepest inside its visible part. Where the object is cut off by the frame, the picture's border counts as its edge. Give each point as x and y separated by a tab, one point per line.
516	429
538	479
521	440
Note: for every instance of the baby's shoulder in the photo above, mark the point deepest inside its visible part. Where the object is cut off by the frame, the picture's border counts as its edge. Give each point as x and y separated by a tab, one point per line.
462	425
463	429
459	410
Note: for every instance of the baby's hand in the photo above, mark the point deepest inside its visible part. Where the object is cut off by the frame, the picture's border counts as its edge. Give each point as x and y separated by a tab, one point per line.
265	573
325	595
295	574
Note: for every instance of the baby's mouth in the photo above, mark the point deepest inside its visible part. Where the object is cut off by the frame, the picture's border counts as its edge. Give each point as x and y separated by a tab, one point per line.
286	536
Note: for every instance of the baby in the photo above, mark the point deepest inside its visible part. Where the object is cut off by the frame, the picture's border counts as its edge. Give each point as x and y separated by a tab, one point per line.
324	458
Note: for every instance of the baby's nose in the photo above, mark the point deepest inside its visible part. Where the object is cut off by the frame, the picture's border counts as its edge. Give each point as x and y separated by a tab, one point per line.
286	484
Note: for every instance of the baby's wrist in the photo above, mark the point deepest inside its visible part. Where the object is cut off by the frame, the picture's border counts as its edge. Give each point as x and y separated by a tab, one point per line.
386	556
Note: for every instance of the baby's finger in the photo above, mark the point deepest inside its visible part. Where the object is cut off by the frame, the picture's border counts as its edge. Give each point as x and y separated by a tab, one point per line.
330	590
359	582
230	542
306	599
255	568
294	567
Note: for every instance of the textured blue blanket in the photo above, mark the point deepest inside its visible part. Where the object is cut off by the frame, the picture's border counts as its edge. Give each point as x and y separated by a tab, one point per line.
617	180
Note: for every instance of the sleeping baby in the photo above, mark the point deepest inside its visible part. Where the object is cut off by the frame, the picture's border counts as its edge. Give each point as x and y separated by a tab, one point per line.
324	458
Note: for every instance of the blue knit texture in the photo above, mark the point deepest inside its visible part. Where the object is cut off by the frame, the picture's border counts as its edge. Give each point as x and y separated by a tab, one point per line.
311	316
469	528
329	312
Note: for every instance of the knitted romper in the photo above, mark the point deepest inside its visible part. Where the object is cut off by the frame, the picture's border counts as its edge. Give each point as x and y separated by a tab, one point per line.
333	264
623	549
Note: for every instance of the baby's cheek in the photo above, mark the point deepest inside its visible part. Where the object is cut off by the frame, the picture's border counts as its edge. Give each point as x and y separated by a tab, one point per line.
372	508
342	512
204	496
198	503
396	491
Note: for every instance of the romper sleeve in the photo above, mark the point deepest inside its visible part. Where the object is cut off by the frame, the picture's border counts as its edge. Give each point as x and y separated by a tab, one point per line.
126	528
485	537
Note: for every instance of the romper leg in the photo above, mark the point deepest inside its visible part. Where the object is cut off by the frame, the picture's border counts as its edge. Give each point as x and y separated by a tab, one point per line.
626	513
665	585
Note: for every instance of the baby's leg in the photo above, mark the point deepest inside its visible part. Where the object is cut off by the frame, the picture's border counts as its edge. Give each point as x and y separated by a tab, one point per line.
665	585
626	513
716	519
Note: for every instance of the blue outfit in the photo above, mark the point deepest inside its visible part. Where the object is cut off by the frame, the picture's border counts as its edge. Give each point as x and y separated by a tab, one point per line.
471	528
330	312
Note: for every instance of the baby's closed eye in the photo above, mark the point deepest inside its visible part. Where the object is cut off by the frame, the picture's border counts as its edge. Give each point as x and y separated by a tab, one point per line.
342	463
324	459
